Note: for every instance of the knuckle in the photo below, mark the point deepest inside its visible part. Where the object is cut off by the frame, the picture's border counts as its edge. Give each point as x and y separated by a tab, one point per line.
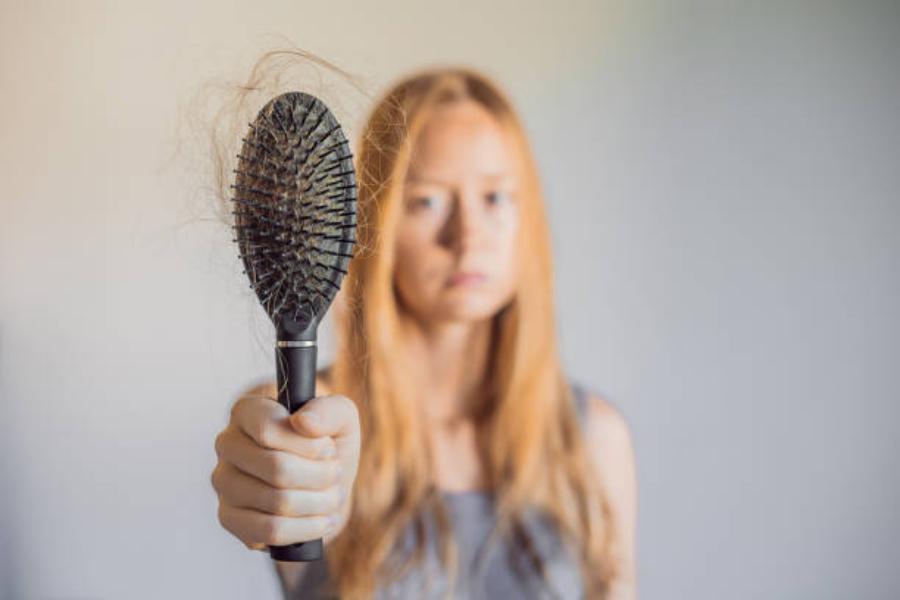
326	474
280	471
220	443
214	478
272	531
268	531
280	502
265	435
321	525
318	503
236	407
241	404
334	500
224	516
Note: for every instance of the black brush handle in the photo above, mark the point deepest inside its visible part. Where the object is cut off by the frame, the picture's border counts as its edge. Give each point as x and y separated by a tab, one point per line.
296	367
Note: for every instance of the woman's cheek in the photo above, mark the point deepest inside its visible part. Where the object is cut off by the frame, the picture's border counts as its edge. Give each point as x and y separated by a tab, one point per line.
414	271
511	264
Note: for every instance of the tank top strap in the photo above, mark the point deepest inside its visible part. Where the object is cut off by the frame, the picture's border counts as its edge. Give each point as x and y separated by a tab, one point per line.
580	396
580	393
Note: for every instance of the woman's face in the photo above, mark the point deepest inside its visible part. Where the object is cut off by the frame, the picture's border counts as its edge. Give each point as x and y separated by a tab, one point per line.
456	236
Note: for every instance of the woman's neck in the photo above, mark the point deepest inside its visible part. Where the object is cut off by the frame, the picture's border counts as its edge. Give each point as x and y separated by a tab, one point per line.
450	361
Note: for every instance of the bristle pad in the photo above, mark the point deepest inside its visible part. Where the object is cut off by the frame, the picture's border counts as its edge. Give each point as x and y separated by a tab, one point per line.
295	206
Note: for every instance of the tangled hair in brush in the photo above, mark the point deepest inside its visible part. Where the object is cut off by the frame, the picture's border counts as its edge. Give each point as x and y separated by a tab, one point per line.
295	207
529	434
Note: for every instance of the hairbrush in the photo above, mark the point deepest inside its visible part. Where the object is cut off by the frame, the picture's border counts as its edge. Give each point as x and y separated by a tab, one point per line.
294	207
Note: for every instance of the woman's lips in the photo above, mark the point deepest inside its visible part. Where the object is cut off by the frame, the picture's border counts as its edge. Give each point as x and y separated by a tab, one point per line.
466	278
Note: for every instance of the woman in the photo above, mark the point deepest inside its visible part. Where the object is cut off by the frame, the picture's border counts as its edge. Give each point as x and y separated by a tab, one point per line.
483	472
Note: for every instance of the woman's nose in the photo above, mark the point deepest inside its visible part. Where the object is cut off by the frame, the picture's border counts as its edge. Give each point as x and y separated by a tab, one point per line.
466	221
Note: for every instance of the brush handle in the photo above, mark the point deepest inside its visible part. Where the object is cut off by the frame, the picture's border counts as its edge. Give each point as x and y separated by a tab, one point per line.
296	368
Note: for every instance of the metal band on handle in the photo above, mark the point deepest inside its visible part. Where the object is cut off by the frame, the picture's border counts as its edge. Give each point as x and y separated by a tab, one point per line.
295	344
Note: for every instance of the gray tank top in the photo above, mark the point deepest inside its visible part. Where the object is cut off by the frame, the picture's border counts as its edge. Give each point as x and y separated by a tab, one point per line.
485	571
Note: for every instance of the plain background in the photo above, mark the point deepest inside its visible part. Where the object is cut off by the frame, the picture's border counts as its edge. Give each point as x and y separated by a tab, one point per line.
722	181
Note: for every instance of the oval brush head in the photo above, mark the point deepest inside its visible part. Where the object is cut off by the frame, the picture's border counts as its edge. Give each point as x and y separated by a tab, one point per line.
295	209
295	220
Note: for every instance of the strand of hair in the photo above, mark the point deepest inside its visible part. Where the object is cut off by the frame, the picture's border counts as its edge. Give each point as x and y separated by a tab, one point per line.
274	116
268	178
267	149
263	160
325	280
303	122
337	268
333	253
313	151
324	172
312	130
330	149
254	190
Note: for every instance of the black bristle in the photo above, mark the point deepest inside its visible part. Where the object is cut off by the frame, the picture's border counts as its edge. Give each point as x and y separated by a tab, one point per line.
294	206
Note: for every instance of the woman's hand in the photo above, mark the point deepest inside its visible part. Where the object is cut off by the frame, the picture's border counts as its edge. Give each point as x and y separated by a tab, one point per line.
283	479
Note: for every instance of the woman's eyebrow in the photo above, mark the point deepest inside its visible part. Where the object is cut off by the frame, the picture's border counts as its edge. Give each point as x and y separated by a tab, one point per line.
484	176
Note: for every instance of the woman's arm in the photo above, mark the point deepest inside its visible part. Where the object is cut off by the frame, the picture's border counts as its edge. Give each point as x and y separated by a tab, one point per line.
609	443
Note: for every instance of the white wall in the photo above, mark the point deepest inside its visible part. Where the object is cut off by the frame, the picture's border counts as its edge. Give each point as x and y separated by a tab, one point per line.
723	186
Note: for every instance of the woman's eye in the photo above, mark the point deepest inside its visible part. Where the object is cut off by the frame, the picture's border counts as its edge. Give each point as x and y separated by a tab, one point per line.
430	203
425	202
498	197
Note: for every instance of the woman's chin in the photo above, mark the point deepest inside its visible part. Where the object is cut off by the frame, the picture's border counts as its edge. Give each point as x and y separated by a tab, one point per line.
469	308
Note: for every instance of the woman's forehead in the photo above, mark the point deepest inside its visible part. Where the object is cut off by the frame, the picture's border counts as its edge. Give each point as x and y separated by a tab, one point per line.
461	141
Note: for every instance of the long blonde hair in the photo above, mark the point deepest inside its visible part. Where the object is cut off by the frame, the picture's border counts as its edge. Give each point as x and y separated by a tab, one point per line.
529	433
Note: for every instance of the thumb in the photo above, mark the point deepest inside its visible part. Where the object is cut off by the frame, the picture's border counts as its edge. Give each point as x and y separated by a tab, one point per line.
323	415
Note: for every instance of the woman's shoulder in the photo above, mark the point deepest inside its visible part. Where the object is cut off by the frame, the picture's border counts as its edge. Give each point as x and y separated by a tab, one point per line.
592	404
605	426
608	439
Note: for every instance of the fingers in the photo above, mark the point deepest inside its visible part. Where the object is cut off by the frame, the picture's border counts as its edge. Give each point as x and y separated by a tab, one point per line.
266	422
332	415
280	477
244	491
275	467
253	527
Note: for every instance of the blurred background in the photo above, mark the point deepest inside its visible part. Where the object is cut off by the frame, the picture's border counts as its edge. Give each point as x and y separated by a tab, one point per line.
723	182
